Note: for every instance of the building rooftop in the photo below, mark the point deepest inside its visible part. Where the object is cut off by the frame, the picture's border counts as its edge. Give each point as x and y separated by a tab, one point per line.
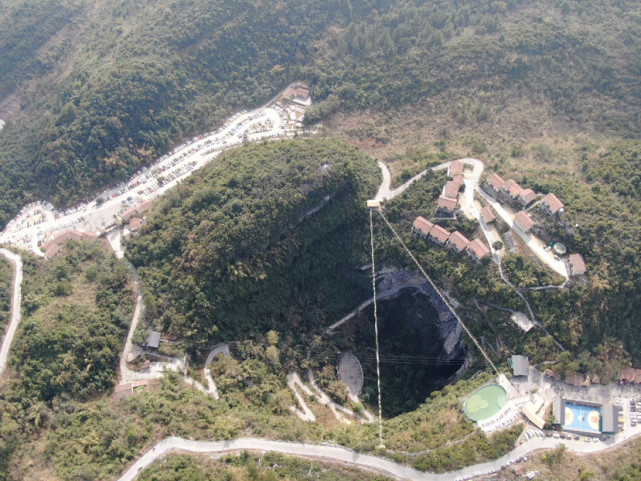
520	365
512	188
523	220
134	224
153	340
422	225
575	379
458	179
577	265
527	196
488	214
478	249
447	204
456	168
458	241
52	246
439	234
495	181
138	209
553	203
451	189
609	419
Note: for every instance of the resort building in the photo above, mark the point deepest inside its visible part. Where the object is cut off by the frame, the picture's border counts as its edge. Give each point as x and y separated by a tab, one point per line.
422	227
456	168
487	214
523	221
526	197
552	205
451	189
477	250
439	235
446	205
457	241
494	184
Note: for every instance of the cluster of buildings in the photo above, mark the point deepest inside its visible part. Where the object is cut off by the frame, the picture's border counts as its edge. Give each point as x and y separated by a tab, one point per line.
518	198
455	240
448	200
578	416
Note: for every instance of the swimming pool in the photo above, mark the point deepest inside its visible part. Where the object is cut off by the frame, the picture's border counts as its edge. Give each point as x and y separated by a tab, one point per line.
485	402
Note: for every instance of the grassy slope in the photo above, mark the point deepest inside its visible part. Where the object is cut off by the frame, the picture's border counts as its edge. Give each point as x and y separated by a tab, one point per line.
481	75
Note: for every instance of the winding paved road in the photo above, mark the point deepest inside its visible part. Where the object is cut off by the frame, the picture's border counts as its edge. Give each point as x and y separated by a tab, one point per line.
16	296
343	455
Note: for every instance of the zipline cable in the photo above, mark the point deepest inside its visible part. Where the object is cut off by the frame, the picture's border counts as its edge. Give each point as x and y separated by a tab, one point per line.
378	361
432	284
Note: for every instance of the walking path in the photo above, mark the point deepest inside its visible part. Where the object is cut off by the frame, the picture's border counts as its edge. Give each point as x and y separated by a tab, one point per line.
218	349
15	317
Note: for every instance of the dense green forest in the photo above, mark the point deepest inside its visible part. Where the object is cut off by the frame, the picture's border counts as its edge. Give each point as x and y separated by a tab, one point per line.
232	254
106	86
76	311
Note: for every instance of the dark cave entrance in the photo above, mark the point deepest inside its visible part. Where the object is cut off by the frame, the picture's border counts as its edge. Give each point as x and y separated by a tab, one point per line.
414	362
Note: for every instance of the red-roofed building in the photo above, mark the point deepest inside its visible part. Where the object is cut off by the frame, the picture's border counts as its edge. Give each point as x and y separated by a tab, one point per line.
451	189
488	214
457	241
477	250
456	168
458	179
628	375
51	251
297	93
139	209
52	246
576	265
446	205
494	184
124	391
526	197
512	189
523	221
575	379
134	224
552	205
439	235
422	227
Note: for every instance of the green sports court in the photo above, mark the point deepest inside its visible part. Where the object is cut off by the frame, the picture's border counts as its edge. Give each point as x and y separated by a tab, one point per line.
485	402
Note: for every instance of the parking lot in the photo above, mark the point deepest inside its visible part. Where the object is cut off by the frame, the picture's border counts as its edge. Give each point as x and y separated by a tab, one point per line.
36	222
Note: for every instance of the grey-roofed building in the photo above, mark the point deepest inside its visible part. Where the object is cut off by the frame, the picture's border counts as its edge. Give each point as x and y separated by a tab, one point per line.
609	419
153	340
520	365
558	410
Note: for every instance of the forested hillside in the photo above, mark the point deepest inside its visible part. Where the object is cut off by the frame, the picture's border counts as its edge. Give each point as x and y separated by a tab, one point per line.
106	86
268	237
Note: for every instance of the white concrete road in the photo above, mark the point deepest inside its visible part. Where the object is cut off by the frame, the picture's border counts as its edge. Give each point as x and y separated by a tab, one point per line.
346	456
14	319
